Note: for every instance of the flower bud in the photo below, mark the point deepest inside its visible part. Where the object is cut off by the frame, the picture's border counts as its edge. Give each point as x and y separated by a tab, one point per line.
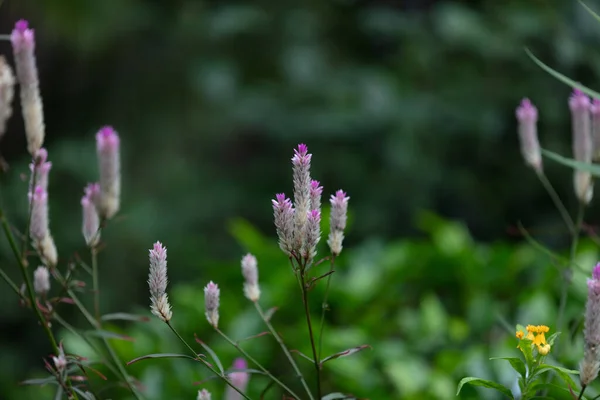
250	273
579	105
338	218
23	43
527	116
41	280
211	303
203	395
157	281
91	221
107	148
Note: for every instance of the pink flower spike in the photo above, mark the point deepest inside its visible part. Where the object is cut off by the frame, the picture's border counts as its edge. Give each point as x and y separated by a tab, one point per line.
589	366
579	100
91	219
211	303
581	127
21	25
527	111
157	282
239	379
283	215
315	195
109	161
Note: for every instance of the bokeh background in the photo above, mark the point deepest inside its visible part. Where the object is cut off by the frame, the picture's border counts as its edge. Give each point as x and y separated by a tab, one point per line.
408	105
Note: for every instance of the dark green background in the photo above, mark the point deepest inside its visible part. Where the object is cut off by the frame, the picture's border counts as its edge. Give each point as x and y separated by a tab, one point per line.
407	105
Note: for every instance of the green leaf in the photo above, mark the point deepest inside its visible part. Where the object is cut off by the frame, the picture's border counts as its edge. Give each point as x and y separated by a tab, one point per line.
591	168
560	371
335	396
41	381
552	338
527	350
589	10
160	355
561	77
124	317
516	363
109	335
302	355
345	353
212	354
485	383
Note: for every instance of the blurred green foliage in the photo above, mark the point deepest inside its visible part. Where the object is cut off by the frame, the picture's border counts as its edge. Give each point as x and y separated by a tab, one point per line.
407	105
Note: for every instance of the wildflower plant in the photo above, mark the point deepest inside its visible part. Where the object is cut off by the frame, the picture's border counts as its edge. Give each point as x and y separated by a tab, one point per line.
533	367
51	281
298	228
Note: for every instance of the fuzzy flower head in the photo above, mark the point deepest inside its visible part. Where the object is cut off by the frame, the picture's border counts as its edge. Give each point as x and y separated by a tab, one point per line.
211	303
283	215
40	169
337	221
313	235
38	229
7	92
250	273
91	220
527	116
157	281
315	195
109	161
238	378
580	105
536	336
302	190
41	280
203	395
590	365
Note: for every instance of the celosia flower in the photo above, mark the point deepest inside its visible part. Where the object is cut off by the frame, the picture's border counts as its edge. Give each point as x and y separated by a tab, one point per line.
527	116
595	111
283	213
91	220
157	281
38	229
23	43
41	280
250	273
40	168
313	235
579	105
211	303
301	176
109	160
7	91
203	395
239	379
315	195
338	218
590	365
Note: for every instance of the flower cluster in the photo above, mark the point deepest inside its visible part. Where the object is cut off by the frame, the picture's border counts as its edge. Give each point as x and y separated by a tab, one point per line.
536	335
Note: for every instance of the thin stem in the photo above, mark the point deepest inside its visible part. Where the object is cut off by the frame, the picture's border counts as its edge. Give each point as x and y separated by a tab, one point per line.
310	333
11	284
284	348
325	305
203	361
557	202
95	286
568	269
583	387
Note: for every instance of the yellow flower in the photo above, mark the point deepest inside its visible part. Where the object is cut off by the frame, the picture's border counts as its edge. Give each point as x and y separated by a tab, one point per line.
536	333
519	335
543	350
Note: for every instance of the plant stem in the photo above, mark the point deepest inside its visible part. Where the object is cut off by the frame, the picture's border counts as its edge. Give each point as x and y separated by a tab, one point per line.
10	283
263	369
21	260
568	269
203	361
95	286
310	331
284	348
583	387
557	202
324	305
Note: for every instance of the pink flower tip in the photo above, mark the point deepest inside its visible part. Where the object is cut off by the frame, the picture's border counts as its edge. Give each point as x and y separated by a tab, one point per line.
107	137
302	149
21	25
240	363
42	155
92	189
341	195
596	272
158	247
280	197
526	110
212	286
314	185
314	215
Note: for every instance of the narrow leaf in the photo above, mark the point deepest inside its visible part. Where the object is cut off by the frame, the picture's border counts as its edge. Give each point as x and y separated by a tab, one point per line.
485	383
336	396
160	355
345	353
109	335
516	363
212	354
562	372
124	317
302	355
312	281
40	382
589	10
591	168
561	77
265	333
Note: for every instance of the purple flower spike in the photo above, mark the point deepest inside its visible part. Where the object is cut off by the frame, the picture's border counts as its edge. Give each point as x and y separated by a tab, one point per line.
315	195
589	365
238	379
109	160
283	215
580	105
527	116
